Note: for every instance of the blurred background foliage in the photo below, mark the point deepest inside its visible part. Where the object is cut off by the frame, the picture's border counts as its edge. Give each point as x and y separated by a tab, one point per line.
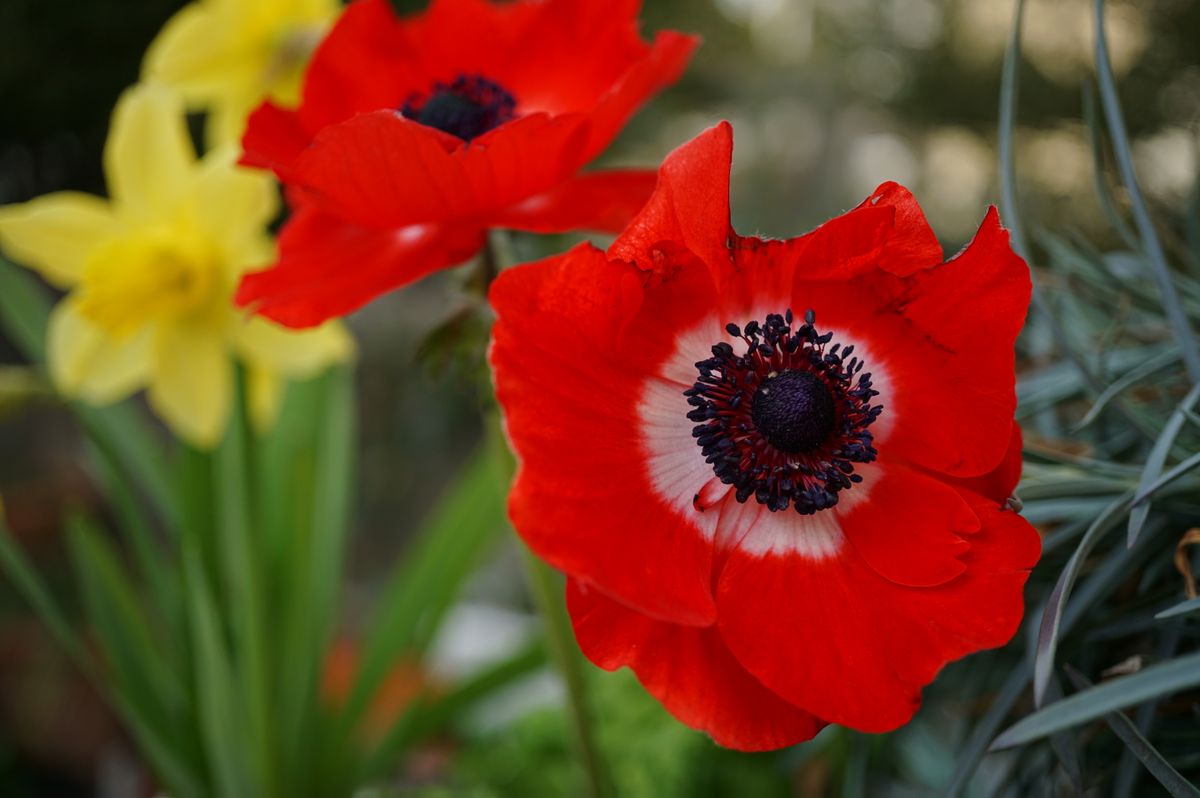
828	99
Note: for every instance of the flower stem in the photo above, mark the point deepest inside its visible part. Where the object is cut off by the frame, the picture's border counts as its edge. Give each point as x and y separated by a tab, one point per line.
546	585
547	590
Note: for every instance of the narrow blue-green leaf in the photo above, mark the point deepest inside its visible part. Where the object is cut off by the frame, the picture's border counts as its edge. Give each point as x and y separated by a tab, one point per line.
1109	100
1009	210
1008	114
1183	608
1167	478
1126	381
1111	573
1048	634
970	754
1155	462
1103	193
1166	678
217	700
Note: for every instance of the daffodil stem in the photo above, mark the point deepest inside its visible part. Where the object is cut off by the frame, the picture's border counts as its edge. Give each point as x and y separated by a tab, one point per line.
547	589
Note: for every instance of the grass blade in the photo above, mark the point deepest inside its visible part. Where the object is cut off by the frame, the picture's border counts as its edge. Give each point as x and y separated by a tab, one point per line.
1165	678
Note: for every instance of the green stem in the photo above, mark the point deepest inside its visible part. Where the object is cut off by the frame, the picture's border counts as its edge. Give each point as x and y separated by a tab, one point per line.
546	586
547	591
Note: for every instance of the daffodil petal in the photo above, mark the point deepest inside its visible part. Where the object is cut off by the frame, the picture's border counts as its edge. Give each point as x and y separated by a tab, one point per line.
148	157
264	396
54	234
191	385
296	353
226	122
234	205
88	363
197	53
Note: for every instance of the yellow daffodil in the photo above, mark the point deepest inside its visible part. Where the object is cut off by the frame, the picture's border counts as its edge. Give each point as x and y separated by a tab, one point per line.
227	56
151	272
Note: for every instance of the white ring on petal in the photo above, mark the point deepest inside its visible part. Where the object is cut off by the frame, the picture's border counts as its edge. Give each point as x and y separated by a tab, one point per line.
677	470
813	537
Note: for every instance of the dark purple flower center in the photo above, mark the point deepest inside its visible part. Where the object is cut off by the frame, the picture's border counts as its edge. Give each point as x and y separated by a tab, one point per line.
467	107
786	420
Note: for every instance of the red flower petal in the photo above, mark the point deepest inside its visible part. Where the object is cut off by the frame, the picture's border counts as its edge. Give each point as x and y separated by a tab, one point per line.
837	639
690	671
999	483
566	346
662	67
603	201
972	308
382	170
912	246
273	139
940	341
328	267
689	208
908	526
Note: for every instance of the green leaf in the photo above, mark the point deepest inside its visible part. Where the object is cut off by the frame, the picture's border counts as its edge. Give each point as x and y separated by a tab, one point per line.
1163	679
432	713
221	731
135	452
156	566
33	590
24	310
117	431
143	674
467	521
144	685
306	475
243	609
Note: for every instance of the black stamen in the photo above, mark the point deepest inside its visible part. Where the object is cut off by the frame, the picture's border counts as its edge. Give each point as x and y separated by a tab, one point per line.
786	420
467	107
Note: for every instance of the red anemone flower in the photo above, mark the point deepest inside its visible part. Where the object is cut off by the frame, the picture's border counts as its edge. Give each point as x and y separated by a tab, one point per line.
416	134
775	472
